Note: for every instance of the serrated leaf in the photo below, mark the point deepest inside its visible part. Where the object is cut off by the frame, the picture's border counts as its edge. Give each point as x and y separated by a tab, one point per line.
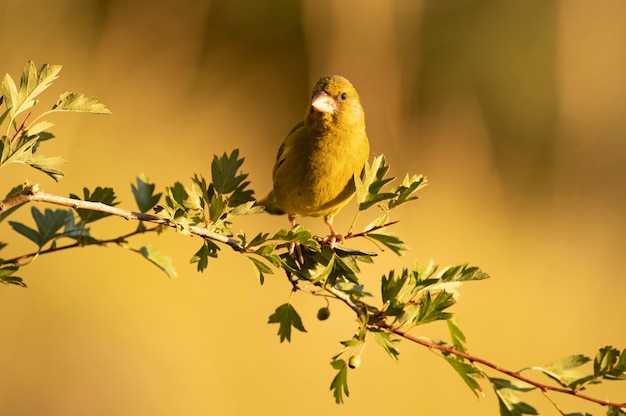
614	411
217	208
457	336
75	101
510	404
10	94
605	360
267	252
297	234
76	230
247	208
394	288
224	172
563	371
105	196
391	241
286	317
208	249
47	165
144	194
339	385
48	223
7	276
39	127
260	269
468	372
387	341
406	190
157	258
432	307
462	273
258	239
176	196
369	185
26	231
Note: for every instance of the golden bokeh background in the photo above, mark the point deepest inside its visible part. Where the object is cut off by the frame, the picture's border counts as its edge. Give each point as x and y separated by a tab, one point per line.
515	110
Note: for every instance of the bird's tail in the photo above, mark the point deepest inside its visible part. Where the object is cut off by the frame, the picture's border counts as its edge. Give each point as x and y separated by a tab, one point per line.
270	204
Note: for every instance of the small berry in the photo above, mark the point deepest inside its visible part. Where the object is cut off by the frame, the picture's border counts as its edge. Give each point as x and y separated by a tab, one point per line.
323	314
354	361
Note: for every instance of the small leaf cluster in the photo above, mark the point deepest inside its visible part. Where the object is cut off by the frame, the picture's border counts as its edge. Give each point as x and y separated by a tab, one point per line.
20	139
608	364
410	298
53	227
211	205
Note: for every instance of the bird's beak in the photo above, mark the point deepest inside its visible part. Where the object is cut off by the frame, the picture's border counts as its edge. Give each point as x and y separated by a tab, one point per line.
323	103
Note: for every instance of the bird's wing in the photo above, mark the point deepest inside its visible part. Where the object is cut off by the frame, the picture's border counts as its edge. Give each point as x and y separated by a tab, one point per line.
286	147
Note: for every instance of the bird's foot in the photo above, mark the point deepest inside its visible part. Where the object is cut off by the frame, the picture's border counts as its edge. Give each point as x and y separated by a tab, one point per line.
294	246
332	239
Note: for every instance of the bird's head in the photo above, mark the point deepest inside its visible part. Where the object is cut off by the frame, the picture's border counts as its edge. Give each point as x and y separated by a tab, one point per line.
335	104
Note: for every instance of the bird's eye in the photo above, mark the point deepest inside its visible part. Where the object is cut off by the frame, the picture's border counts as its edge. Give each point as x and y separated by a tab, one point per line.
343	96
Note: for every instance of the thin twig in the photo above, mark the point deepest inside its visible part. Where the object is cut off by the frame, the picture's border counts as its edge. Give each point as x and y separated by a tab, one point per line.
33	194
114	240
513	374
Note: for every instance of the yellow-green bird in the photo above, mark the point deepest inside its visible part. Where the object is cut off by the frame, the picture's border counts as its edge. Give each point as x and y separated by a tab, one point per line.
313	173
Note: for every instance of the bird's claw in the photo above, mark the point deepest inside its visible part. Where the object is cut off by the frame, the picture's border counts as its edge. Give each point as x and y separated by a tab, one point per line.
295	246
332	239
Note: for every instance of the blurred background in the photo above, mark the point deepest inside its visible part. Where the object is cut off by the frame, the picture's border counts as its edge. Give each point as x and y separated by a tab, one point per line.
514	111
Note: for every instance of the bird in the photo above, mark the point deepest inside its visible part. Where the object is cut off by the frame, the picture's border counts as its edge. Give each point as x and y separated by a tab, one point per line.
313	174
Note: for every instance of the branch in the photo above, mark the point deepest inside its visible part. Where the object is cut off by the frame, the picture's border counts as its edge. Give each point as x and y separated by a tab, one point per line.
32	193
114	240
513	374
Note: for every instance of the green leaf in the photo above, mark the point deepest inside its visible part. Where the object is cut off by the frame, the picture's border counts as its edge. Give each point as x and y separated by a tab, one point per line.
369	186
462	273
404	192
433	307
510	404
26	231
105	196
75	101
208	249
48	223
226	180
286	317
260	269
157	258
339	385
563	371
247	208
144	193
392	286
610	364
7	276
32	83
76	230
612	411
391	241
297	234
468	372
175	197
217	208
267	252
224	172
458	337
387	341
258	239
47	165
